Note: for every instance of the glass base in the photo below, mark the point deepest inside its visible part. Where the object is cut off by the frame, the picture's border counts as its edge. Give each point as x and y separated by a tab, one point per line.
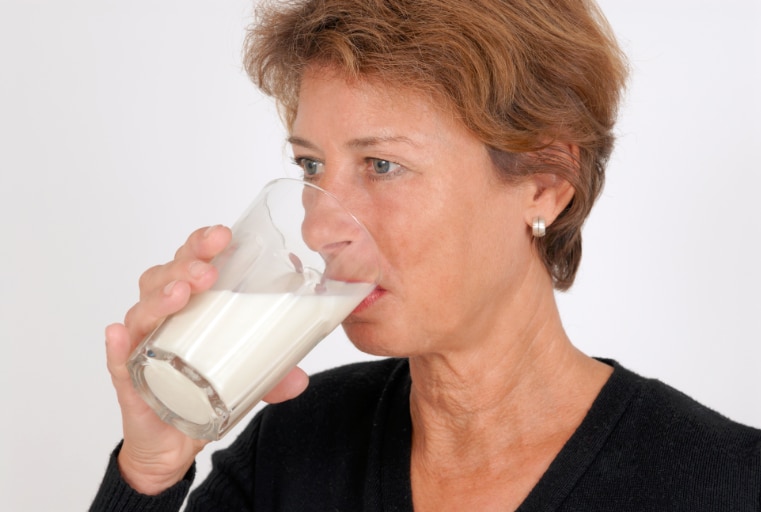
178	394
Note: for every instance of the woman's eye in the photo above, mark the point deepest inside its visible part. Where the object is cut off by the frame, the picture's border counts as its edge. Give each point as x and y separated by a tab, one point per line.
309	166
383	166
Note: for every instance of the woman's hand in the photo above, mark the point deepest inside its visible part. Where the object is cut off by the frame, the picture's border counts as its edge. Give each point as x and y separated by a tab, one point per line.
155	455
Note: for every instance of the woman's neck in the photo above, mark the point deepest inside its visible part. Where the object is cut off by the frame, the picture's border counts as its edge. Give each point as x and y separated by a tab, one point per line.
464	397
487	423
528	388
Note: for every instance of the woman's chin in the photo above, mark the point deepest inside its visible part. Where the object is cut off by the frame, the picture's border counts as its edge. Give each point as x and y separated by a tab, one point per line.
370	339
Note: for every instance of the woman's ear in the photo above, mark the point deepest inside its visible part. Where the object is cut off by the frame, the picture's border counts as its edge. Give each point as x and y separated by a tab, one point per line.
548	194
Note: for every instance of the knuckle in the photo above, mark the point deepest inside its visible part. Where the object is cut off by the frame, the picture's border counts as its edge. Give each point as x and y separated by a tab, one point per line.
188	248
129	317
147	277
139	320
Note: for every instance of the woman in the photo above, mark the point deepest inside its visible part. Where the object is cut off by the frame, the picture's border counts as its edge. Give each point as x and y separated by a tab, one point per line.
471	139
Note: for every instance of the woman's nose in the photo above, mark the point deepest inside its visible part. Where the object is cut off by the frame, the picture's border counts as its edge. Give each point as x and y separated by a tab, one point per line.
331	230
327	225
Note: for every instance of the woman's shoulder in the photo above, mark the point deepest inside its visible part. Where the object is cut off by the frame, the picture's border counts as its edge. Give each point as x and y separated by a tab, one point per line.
658	406
647	446
663	427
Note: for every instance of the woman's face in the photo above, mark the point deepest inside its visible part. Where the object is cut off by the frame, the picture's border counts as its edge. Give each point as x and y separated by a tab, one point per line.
454	240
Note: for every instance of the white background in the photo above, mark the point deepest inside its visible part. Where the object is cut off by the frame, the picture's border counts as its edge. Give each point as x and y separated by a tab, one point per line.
126	125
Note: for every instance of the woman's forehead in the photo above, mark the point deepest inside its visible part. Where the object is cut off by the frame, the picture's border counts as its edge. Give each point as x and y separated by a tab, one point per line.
377	88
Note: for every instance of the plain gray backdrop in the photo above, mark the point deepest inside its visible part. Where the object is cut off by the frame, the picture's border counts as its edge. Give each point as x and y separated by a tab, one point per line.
126	125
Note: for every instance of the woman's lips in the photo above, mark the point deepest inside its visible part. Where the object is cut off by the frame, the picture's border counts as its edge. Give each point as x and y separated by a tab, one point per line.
376	294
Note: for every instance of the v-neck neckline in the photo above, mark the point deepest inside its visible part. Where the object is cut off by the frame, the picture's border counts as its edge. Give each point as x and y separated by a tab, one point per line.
391	489
581	449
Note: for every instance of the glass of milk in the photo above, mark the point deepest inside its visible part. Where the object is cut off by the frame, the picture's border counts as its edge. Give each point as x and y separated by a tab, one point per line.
297	266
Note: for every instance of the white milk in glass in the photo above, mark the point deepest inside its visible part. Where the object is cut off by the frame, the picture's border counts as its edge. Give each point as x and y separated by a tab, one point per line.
233	347
297	265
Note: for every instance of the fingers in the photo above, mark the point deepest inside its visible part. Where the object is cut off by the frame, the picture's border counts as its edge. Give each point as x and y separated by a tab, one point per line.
205	243
148	313
290	387
198	274
165	289
118	350
191	262
155	454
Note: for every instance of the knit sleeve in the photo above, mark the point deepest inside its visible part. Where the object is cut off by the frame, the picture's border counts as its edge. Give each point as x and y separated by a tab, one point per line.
115	494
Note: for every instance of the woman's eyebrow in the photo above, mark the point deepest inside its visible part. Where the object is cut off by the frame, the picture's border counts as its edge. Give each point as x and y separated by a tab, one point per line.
298	141
359	143
366	142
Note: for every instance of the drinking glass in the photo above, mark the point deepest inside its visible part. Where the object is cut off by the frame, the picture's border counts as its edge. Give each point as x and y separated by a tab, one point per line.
298	264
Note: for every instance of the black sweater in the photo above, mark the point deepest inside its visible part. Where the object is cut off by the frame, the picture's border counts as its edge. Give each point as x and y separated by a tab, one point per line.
344	445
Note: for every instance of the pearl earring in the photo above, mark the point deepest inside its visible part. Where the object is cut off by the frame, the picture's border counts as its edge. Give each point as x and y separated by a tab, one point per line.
538	227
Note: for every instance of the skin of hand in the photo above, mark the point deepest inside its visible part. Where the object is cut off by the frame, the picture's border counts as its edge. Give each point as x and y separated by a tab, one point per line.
155	455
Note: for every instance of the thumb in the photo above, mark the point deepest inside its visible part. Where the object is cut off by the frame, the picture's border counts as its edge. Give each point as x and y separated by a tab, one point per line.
119	347
290	387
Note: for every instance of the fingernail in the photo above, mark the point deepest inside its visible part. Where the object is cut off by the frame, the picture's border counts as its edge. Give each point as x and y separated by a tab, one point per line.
168	288
197	269
209	230
107	331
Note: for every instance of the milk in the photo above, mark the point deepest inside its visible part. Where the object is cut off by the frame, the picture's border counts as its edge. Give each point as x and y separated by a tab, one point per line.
241	344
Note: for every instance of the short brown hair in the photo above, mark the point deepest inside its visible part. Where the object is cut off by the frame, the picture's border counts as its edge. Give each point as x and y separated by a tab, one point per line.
522	75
